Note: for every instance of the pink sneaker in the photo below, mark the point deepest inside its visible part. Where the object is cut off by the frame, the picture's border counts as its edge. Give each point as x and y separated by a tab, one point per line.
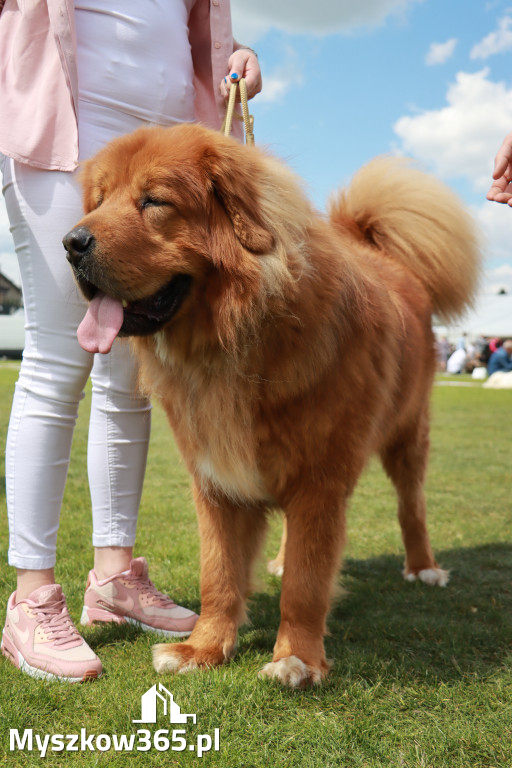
40	638
132	597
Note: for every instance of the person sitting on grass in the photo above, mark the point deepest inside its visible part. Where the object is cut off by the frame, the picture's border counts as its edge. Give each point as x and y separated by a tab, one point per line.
501	360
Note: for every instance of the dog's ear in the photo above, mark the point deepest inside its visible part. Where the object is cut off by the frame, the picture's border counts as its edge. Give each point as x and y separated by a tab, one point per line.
234	177
86	179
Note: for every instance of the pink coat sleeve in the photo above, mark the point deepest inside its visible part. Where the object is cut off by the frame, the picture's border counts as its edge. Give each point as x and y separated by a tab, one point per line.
37	69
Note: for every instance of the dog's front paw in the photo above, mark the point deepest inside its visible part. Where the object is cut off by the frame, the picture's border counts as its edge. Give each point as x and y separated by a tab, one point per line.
169	657
291	671
433	576
184	657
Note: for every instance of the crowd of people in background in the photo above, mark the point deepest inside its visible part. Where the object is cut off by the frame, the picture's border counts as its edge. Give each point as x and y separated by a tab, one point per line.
464	356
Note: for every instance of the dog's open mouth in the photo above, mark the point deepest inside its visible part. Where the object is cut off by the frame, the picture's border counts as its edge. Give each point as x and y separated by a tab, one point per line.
108	317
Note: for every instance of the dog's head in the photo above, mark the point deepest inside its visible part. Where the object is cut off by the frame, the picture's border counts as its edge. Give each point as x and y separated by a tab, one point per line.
173	223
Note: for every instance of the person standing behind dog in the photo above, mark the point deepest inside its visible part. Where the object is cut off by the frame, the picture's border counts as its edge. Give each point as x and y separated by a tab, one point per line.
73	76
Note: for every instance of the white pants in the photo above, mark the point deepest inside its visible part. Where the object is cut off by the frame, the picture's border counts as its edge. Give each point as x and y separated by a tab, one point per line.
42	207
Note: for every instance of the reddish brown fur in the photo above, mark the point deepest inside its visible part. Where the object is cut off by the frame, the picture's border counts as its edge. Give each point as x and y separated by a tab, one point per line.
304	346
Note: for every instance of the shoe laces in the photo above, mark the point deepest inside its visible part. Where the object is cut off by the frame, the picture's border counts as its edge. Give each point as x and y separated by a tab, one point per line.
55	620
146	587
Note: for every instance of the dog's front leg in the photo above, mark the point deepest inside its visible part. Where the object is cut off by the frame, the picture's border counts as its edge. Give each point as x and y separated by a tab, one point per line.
230	538
316	535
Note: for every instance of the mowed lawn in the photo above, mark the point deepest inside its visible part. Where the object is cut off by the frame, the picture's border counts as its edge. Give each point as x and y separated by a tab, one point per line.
421	676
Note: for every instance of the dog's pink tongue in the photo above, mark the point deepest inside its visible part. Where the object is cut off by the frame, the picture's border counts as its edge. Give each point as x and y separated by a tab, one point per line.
102	323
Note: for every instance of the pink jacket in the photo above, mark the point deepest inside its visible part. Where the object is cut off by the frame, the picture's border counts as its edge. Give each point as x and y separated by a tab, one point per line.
38	76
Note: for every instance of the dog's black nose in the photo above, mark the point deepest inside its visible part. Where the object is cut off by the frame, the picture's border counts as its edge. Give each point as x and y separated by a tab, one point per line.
78	243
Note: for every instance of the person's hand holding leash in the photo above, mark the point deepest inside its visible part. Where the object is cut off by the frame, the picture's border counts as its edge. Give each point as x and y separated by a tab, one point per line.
243	63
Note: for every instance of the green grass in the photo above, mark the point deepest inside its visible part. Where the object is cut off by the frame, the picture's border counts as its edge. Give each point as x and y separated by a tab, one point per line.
421	676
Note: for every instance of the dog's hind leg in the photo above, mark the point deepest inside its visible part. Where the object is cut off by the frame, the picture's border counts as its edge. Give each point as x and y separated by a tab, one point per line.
231	536
276	566
405	461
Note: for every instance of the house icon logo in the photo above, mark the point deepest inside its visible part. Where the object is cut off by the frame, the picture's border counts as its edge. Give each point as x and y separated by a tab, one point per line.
153	698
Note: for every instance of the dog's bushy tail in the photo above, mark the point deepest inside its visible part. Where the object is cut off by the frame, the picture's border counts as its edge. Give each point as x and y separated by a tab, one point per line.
416	219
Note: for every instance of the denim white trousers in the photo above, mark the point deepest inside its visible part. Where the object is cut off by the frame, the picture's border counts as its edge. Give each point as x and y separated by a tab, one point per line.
42	207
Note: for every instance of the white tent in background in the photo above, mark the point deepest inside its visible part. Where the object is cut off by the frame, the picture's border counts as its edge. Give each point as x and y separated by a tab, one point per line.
491	316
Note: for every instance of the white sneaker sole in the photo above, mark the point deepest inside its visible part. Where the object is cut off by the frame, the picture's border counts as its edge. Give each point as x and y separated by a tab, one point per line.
42	674
86	621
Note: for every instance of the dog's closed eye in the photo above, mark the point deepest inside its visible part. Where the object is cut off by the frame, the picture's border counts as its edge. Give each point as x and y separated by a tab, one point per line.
153	202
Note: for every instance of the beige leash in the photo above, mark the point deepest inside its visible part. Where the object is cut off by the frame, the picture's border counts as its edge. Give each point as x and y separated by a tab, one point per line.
248	119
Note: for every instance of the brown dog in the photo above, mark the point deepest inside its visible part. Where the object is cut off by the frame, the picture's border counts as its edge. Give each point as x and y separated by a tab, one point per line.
286	348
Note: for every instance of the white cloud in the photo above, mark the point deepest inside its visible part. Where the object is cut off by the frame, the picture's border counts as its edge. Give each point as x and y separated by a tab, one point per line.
495	222
461	139
251	20
285	75
498	279
494	285
495	42
438	53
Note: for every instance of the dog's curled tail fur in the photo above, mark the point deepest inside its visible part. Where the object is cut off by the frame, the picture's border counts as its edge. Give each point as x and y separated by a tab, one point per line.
416	219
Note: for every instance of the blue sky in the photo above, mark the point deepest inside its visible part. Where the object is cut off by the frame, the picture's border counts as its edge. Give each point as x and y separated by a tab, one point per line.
345	80
431	79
